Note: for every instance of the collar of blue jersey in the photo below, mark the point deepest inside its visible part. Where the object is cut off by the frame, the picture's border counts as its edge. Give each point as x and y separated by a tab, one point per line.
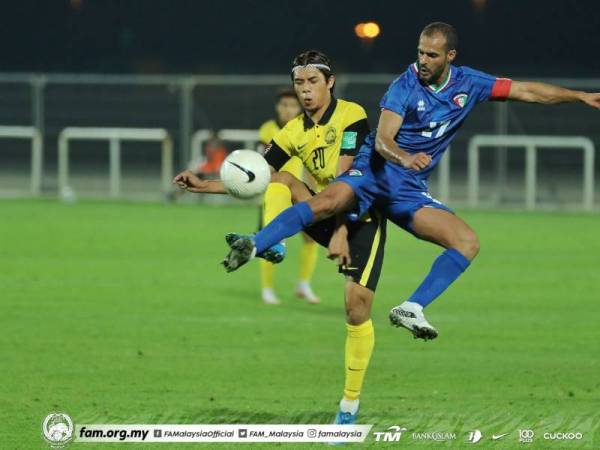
308	123
434	87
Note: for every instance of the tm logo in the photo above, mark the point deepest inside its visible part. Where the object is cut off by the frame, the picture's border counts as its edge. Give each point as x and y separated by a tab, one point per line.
393	434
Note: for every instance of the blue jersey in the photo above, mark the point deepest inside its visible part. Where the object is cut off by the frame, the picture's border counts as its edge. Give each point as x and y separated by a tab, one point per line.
432	116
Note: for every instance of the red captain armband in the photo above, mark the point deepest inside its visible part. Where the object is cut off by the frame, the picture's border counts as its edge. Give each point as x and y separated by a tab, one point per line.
501	89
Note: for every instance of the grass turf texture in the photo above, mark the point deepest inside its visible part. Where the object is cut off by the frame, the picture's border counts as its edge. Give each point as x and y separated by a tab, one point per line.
120	313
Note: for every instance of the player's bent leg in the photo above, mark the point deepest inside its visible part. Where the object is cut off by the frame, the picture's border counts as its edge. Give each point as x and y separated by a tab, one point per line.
462	245
337	197
360	340
283	190
446	229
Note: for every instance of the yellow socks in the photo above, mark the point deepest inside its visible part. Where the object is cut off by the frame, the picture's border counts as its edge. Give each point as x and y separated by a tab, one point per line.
308	260
267	271
278	198
359	347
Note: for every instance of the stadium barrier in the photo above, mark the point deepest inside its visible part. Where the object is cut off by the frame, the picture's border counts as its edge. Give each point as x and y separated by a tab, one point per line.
35	136
531	145
114	136
184	103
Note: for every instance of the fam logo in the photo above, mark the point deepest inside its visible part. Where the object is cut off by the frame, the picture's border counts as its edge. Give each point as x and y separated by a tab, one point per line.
460	100
57	429
393	434
355	173
330	135
526	435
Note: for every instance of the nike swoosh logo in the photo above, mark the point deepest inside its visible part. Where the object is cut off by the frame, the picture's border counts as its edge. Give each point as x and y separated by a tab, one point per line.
355	370
499	436
250	174
300	147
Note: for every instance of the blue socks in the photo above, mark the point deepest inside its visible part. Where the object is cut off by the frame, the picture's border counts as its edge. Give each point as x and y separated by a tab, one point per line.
445	269
286	224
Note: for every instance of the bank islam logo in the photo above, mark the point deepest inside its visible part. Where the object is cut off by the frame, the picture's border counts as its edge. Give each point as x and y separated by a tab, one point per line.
474	437
438	436
526	435
57	429
393	434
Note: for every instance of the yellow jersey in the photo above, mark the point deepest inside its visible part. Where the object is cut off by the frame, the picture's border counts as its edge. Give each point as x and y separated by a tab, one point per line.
341	131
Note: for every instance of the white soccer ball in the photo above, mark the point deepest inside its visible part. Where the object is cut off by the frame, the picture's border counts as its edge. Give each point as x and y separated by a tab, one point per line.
245	174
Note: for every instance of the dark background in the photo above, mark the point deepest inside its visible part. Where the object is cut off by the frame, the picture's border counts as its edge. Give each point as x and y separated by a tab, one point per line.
520	38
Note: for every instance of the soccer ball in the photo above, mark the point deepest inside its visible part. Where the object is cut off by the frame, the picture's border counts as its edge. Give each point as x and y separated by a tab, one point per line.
245	174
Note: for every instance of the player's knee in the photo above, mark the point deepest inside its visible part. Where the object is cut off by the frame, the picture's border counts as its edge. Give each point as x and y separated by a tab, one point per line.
323	205
357	313
358	304
469	244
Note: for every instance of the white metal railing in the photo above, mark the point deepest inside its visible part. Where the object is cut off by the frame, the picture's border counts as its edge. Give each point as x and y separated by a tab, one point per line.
114	136
36	151
531	145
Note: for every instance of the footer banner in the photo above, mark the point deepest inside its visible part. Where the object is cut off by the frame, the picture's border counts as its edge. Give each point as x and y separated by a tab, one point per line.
220	433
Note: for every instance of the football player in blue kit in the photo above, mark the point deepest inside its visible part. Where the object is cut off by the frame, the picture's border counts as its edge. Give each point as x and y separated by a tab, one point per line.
421	113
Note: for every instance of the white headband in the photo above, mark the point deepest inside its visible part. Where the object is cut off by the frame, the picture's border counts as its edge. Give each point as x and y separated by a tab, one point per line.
313	66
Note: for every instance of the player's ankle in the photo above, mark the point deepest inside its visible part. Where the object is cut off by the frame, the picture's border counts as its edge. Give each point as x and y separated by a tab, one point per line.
349	405
269	296
303	285
414	305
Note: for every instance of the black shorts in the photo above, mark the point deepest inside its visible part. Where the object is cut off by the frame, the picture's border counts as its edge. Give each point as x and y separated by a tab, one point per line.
367	241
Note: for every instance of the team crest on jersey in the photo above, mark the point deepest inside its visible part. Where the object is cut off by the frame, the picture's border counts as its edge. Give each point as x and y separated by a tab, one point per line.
460	100
330	135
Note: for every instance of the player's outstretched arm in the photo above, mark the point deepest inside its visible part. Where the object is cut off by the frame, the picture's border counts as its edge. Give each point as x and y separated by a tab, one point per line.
188	181
549	94
385	145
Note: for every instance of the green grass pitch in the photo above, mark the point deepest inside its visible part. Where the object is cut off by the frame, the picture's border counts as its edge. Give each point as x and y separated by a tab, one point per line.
121	313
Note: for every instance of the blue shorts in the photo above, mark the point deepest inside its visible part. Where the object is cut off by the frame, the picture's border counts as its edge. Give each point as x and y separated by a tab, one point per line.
393	191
